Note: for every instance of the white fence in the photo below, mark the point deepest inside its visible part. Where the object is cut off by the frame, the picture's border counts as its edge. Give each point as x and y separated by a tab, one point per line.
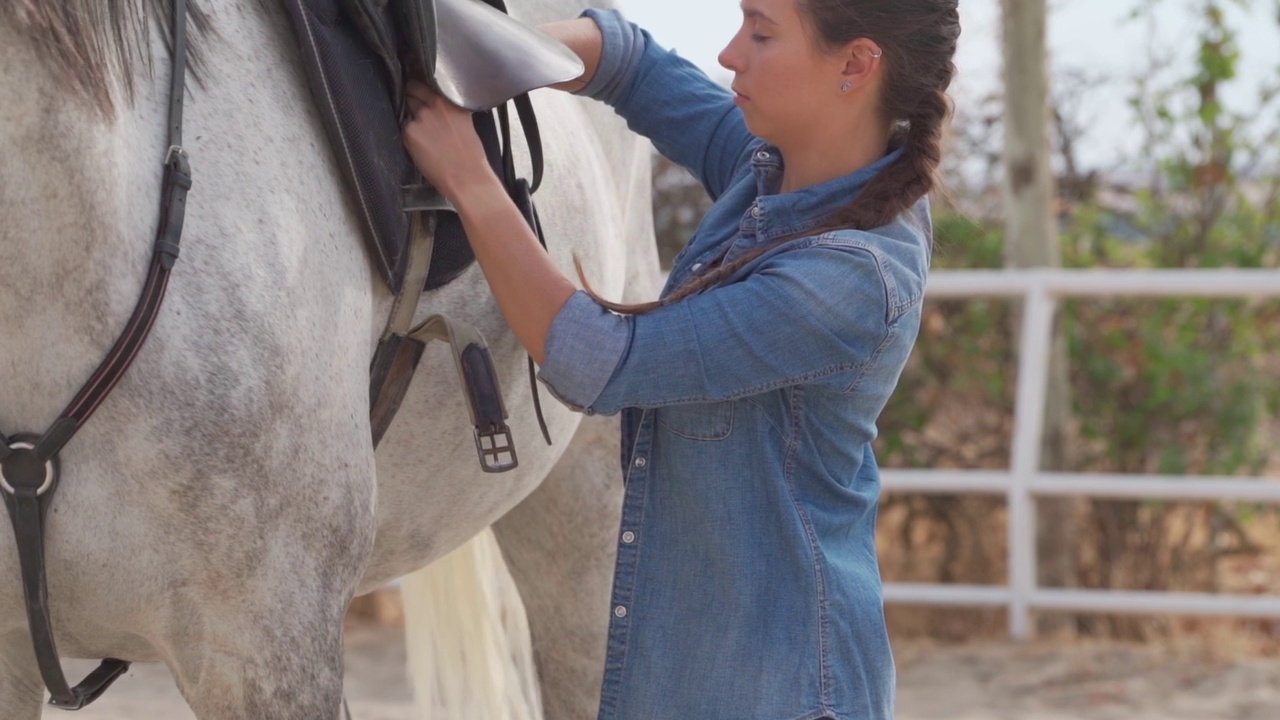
1024	481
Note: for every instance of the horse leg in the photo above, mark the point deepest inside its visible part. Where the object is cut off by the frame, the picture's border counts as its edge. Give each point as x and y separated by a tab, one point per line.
560	545
266	642
21	688
278	666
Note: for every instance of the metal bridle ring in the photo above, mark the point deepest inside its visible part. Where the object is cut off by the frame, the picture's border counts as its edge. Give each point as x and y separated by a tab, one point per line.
48	471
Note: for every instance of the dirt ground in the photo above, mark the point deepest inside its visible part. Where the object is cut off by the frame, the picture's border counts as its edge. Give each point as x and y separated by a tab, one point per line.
973	682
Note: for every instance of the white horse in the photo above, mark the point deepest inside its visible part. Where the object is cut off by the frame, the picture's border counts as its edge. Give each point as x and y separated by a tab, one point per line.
224	504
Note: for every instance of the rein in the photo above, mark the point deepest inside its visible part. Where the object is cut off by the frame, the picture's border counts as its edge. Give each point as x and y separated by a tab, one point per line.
29	469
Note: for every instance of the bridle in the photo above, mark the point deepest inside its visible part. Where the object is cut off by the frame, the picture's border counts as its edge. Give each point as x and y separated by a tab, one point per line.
29	469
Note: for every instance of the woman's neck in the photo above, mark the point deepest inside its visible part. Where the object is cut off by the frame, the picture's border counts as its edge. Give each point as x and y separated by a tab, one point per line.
830	155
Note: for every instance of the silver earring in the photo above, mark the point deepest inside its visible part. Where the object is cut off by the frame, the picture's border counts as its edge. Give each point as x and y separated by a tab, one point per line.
877	54
846	87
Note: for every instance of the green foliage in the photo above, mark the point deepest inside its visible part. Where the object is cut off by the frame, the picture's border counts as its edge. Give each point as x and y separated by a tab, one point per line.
1178	386
1157	385
963	356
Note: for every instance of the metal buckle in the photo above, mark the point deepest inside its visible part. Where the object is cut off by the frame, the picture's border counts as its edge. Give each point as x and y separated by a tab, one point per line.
174	150
48	471
491	451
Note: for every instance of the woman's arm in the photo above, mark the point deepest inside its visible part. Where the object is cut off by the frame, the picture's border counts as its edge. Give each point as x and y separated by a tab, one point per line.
819	314
692	120
530	290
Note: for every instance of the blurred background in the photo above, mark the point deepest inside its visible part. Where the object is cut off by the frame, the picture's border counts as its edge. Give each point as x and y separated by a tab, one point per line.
1093	533
1154	137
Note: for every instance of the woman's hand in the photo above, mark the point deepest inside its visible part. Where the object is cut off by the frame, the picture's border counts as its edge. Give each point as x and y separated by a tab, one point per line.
441	138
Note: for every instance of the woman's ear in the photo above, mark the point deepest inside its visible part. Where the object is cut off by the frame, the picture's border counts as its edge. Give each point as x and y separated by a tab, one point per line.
861	61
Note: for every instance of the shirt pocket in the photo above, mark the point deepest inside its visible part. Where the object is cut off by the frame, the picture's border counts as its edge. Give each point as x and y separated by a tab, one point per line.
698	421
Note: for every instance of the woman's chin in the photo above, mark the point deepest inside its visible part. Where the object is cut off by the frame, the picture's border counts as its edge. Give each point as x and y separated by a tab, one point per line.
755	126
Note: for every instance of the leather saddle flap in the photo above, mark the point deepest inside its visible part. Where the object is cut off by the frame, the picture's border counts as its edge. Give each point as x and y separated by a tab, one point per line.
352	50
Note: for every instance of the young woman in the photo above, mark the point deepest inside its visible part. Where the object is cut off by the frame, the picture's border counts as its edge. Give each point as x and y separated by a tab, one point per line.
746	584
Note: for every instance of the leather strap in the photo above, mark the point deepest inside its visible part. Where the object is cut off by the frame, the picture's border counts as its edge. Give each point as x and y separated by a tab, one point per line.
521	193
396	357
422	241
529	122
176	182
401	347
29	484
28	464
480	387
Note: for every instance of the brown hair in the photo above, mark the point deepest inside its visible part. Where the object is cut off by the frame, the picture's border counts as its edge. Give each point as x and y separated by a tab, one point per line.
918	39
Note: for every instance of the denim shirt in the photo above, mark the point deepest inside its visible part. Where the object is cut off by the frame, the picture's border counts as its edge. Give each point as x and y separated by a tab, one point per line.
747	585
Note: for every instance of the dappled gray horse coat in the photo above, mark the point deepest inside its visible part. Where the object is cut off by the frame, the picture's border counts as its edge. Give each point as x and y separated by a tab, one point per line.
224	504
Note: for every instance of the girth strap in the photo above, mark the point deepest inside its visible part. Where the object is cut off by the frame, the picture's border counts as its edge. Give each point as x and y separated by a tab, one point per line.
29	463
396	357
401	348
480	386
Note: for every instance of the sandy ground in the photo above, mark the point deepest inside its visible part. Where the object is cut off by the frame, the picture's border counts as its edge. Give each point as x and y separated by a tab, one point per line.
1081	682
987	682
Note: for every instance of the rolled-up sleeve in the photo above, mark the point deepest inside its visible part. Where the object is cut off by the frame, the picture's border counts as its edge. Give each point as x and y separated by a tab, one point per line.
584	346
691	119
620	55
819	313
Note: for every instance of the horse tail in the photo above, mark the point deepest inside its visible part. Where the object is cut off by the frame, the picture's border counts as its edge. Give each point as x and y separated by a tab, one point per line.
469	650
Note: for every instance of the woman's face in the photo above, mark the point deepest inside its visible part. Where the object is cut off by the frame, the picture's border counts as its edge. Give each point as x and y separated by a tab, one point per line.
784	82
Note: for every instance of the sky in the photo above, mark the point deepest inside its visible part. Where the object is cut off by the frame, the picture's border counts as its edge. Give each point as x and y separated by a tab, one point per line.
1092	36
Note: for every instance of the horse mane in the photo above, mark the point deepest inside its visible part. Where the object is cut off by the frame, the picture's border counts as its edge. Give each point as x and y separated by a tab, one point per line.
95	45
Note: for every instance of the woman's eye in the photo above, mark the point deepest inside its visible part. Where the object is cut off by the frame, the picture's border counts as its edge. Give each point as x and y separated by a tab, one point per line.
759	38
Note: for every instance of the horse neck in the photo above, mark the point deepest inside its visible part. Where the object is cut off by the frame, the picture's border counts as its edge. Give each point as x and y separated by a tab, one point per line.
70	191
79	195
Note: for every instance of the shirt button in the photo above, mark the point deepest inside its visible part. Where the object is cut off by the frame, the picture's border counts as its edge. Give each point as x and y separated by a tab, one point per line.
628	537
696	266
620	611
762	155
640	462
755	211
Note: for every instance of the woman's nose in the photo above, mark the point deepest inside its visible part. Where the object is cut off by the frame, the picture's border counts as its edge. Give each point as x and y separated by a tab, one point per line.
728	58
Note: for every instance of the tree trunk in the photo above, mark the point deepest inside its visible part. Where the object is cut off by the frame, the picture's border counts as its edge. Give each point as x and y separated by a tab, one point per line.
1031	240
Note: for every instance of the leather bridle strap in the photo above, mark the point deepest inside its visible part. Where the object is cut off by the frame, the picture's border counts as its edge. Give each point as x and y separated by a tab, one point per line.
29	463
173	202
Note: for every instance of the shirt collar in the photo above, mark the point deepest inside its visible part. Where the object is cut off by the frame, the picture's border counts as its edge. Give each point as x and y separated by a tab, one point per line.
786	213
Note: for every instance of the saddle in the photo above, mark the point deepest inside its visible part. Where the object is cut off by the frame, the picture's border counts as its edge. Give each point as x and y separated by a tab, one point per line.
358	56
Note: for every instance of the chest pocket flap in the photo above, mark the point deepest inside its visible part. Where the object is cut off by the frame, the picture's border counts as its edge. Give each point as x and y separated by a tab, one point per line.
698	421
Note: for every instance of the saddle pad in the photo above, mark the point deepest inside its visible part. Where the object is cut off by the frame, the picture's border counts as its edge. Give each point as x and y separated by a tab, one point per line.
354	96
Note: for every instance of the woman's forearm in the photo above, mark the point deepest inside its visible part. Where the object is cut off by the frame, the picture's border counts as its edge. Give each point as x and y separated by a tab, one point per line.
530	290
583	37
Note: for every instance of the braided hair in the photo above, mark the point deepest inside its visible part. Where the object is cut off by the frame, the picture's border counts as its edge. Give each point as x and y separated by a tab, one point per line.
918	39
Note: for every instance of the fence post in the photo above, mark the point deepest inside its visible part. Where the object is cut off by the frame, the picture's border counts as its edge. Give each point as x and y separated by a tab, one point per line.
1033	380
